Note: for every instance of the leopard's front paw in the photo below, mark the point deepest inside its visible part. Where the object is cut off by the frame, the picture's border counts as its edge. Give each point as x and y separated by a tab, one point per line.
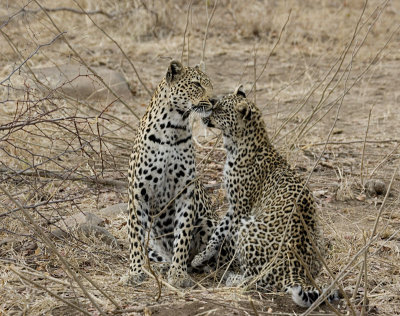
133	279
232	279
179	278
198	260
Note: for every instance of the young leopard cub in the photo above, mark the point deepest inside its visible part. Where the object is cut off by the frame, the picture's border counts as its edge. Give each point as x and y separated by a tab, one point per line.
169	214
263	226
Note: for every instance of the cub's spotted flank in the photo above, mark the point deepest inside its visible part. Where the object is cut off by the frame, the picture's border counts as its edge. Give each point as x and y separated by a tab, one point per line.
268	202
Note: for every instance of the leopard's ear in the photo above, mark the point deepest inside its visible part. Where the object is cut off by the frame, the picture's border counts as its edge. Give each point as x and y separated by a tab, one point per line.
240	91
175	69
243	108
201	66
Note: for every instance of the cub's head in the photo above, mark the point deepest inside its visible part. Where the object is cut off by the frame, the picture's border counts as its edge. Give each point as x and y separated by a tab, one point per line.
189	88
233	114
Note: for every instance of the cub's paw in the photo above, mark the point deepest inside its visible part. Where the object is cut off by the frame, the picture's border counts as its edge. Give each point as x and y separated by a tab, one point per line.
198	260
133	279
233	279
179	278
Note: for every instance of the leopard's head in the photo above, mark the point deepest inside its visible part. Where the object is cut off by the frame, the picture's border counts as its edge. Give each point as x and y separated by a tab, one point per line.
189	88
233	114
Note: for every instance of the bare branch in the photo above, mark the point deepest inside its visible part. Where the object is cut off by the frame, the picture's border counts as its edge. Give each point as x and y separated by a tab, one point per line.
72	10
206	31
119	47
31	55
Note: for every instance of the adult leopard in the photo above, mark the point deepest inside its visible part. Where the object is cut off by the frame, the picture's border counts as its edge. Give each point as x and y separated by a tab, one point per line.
169	213
271	223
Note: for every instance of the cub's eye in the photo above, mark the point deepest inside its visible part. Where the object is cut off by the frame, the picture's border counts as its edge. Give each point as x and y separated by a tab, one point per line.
197	84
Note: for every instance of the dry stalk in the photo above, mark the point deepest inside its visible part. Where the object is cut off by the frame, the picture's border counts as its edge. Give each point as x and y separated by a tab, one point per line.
49	292
339	61
343	56
319	107
72	10
385	158
364	308
363	149
30	55
253	307
255	75
272	50
119	47
85	63
384	202
206	31
308	273
345	271
51	246
350	142
146	250
360	275
184	33
322	260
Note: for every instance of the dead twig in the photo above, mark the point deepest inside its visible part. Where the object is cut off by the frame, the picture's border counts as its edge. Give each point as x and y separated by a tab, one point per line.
206	31
31	55
120	48
184	33
72	10
363	149
39	286
272	50
51	246
85	63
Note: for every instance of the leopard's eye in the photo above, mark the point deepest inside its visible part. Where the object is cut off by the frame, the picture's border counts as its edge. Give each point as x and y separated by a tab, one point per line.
197	84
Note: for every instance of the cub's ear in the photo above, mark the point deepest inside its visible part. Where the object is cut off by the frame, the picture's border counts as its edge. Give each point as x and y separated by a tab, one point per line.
175	69
243	108
240	91
201	66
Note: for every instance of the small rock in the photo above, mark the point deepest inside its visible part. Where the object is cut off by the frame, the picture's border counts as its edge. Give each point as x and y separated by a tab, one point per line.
72	222
320	193
100	233
78	82
375	187
114	210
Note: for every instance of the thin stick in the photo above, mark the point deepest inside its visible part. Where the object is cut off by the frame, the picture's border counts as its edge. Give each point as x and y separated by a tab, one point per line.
384	159
184	33
360	275
206	31
308	273
363	149
119	47
85	63
364	307
273	49
72	10
345	271
351	142
51	246
255	75
50	292
31	55
322	260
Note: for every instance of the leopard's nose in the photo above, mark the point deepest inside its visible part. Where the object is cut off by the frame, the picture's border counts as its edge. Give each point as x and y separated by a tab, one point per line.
213	101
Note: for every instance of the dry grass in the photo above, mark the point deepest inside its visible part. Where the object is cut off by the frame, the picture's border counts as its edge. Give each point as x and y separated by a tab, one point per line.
60	155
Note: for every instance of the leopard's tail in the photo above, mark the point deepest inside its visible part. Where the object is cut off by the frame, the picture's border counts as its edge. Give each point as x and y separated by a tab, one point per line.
305	297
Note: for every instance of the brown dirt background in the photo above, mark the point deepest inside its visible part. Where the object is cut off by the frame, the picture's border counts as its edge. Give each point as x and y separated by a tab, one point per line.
297	92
